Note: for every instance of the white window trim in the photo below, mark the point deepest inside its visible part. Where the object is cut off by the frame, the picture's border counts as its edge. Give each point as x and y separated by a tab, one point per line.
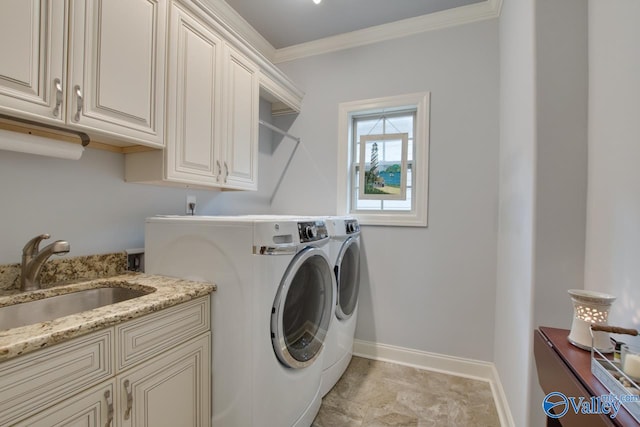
417	217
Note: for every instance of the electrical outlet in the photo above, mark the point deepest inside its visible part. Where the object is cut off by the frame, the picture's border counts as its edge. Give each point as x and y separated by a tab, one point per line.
191	205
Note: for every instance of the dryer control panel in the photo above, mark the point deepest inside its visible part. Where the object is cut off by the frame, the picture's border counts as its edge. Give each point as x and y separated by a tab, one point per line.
311	231
351	226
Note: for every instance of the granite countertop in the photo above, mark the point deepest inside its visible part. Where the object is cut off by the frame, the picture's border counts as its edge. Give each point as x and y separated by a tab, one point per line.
167	292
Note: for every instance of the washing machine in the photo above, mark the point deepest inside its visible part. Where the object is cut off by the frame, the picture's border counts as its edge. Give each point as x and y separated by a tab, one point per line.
270	313
344	252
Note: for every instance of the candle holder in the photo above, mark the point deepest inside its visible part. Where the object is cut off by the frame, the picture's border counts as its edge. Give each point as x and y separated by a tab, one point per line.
630	360
590	307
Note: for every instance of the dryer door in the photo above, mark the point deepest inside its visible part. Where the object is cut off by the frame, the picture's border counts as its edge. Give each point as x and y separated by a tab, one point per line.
302	309
347	271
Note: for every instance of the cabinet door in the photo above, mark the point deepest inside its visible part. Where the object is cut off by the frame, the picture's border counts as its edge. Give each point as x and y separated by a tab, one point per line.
240	150
193	101
170	390
35	381
32	67
116	69
92	408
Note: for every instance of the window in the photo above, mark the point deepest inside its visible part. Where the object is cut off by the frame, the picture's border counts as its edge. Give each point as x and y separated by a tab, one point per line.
383	160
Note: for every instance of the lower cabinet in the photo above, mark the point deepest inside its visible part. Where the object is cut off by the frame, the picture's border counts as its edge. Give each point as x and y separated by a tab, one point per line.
167	382
172	390
91	408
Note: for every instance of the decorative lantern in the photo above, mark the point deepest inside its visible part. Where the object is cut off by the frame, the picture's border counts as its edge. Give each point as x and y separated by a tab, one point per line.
590	307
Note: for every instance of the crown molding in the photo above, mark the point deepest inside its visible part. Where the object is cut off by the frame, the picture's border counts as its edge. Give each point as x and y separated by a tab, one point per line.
236	24
434	21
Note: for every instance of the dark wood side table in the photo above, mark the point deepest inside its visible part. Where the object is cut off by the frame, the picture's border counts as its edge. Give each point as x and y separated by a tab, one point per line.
564	368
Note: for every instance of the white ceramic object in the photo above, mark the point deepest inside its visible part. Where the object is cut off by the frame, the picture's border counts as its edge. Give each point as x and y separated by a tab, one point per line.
590	307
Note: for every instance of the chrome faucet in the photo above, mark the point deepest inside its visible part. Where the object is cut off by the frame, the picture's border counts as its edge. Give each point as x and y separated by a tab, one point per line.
33	259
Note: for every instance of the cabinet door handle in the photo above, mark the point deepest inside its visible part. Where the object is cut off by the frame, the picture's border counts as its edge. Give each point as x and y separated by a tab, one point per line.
58	86
107	397
79	102
219	171
129	392
226	172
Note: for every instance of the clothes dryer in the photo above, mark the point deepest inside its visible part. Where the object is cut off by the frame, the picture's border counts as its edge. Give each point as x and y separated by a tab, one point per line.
344	249
270	313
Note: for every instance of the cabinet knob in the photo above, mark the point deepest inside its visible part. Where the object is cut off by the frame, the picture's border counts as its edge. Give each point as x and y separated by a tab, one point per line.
107	397
226	172
79	103
58	87
129	392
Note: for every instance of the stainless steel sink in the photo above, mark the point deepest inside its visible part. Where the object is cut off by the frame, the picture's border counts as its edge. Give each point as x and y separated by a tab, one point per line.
49	308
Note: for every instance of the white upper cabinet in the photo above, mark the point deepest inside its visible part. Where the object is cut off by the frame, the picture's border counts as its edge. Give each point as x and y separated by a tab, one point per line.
159	73
239	150
193	101
212	111
116	69
112	86
32	68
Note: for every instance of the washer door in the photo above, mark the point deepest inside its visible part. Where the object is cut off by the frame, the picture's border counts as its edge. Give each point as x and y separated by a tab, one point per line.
347	271
302	309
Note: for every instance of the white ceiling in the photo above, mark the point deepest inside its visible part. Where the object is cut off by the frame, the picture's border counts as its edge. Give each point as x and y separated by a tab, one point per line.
285	23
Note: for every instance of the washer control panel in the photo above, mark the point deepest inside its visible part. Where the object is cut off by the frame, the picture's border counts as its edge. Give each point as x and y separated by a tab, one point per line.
351	226
311	231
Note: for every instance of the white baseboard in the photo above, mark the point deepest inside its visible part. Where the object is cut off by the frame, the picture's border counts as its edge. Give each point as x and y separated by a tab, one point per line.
468	368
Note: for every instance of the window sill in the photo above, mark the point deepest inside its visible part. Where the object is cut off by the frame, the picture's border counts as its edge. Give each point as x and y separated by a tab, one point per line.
390	220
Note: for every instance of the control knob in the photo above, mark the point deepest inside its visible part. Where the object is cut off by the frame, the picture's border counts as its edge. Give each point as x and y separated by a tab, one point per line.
351	227
309	232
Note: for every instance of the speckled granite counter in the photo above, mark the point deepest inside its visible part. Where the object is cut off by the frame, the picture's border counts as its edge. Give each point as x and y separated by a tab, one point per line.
167	292
66	269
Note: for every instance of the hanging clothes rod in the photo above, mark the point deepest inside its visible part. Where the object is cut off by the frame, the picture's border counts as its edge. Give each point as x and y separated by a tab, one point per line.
286	166
277	129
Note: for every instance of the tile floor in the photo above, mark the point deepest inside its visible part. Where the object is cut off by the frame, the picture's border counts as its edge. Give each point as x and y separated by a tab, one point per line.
372	393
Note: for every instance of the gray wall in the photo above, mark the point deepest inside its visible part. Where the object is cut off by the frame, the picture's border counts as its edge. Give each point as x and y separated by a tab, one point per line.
543	185
613	209
88	203
430	289
561	164
514	292
561	157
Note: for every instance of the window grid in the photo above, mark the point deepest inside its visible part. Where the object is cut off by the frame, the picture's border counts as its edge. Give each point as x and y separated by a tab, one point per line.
385	119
